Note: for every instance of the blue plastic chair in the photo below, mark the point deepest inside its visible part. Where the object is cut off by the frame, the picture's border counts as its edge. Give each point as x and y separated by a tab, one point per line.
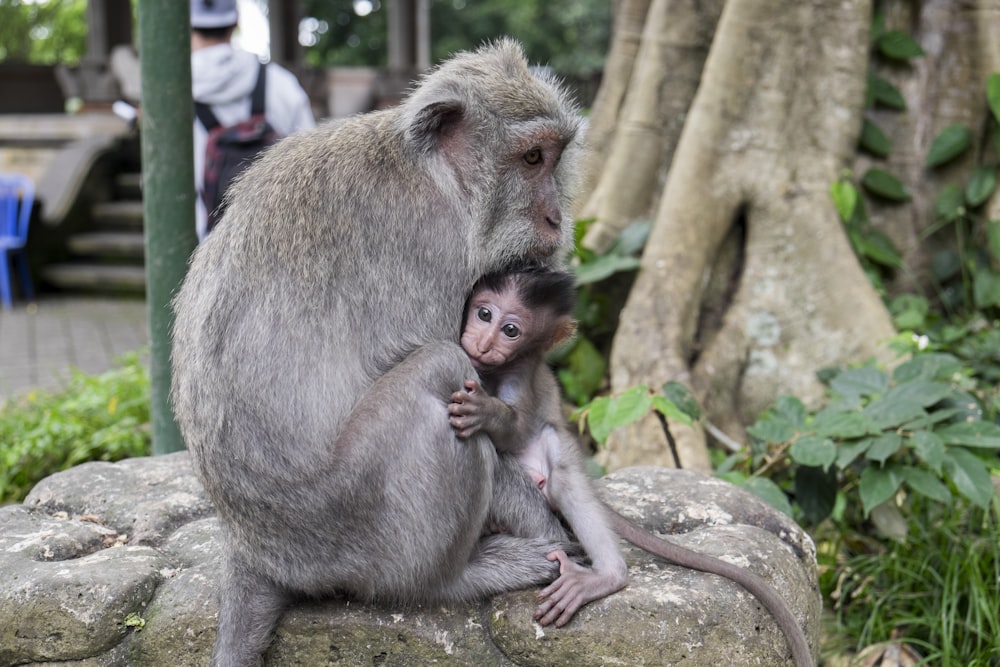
17	195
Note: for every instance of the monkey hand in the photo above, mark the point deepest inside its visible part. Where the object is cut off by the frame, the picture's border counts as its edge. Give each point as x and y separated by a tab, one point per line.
467	410
576	586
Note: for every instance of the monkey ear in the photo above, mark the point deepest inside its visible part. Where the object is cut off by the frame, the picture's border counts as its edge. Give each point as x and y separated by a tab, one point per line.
437	124
564	330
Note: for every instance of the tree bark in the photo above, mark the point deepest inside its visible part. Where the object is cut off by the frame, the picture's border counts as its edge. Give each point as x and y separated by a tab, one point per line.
667	66
945	86
747	284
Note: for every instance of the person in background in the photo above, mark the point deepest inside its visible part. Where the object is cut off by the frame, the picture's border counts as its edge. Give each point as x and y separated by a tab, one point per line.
223	77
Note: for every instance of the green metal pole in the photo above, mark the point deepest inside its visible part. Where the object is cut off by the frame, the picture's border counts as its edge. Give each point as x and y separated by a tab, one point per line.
168	188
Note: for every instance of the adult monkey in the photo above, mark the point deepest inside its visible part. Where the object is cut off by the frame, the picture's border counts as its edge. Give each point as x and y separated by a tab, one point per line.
315	345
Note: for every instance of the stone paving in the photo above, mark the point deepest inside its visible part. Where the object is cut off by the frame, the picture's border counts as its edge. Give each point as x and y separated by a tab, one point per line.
41	342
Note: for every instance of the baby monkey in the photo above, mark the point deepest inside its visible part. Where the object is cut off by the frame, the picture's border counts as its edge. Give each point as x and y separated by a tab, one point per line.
512	321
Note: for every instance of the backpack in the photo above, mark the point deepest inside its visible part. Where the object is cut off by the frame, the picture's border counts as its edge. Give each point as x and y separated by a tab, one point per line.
231	149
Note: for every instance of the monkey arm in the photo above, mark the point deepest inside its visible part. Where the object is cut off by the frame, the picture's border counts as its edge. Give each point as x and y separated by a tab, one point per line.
473	410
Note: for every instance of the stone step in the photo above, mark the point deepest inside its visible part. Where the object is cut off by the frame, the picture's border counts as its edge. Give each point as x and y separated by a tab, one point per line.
128	185
116	244
96	277
119	214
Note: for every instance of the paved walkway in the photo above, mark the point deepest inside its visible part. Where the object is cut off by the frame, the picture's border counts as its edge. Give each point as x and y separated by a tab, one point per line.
42	341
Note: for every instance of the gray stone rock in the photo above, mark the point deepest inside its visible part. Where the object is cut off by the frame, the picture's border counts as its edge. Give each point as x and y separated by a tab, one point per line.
118	564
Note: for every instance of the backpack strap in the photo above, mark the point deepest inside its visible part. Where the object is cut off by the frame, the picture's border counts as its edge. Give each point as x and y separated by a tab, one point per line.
205	115
257	97
208	119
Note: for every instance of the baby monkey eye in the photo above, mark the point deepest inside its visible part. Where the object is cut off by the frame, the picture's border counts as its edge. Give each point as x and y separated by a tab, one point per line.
534	156
484	314
511	331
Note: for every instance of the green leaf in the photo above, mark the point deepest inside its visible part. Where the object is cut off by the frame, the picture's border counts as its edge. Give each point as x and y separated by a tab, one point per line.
993	238
884	184
603	267
929	448
683	398
950	203
631	405
909	311
864	381
772	428
873	140
845	199
669	409
970	475
898	45
884	93
843	425
878	485
791	409
922	392
884	446
981	185
848	452
815	492
877	247
769	492
583	371
971	434
927	484
597	422
633	237
986	288
949	144
935	417
993	95
934	366
812	450
887	412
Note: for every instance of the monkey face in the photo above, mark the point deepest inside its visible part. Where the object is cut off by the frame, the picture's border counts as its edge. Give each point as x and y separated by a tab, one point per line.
498	327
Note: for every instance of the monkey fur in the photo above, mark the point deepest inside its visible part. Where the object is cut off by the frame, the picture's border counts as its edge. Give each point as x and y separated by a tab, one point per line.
315	347
511	322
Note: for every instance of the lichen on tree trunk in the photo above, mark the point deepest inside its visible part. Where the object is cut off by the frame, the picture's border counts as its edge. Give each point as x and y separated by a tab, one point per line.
748	284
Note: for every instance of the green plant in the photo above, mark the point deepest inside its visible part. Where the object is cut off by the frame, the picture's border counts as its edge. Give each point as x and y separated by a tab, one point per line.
604	414
103	417
936	590
918	429
603	281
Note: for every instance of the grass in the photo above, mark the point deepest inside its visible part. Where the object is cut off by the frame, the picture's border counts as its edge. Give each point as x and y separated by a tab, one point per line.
937	591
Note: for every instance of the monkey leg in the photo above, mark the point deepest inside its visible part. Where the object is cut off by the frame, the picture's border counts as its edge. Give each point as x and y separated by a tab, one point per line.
249	607
518	508
502	563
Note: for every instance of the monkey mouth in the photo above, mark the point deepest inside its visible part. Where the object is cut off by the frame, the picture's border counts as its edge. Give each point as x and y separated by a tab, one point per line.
480	364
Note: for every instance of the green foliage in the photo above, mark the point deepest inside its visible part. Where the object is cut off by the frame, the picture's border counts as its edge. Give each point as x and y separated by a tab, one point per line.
951	142
604	414
43	32
568	35
603	280
936	589
911	430
102	417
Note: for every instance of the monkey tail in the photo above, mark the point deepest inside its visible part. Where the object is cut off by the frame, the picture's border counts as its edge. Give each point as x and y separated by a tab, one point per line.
704	563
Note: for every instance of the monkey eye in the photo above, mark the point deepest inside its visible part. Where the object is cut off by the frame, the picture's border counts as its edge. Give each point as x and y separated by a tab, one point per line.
484	314
534	156
511	331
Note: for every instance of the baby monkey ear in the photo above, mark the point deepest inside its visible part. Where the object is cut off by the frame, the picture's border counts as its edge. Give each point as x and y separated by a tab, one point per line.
562	332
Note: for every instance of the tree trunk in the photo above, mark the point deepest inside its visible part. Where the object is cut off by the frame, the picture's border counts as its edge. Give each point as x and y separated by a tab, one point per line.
747	284
945	86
